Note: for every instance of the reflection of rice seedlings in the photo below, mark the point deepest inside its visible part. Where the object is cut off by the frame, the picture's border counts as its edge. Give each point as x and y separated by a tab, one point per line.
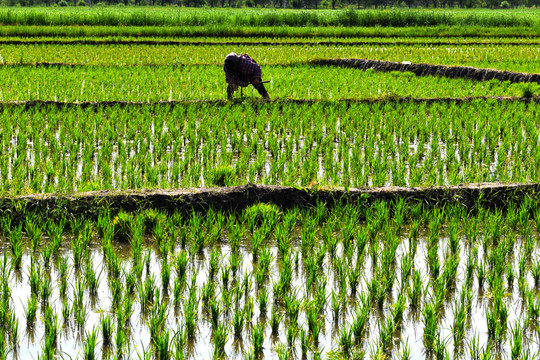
89	345
275	319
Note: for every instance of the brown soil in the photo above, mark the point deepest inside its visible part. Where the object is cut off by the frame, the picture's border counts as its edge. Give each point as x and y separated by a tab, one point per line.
467	72
497	195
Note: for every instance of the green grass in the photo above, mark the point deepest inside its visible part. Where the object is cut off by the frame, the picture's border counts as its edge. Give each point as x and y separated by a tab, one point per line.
268	17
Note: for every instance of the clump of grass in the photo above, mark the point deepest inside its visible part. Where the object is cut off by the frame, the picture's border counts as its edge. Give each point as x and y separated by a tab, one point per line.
220	176
122	224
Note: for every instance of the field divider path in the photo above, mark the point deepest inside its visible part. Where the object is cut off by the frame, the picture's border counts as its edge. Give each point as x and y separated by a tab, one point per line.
421	69
28	104
494	195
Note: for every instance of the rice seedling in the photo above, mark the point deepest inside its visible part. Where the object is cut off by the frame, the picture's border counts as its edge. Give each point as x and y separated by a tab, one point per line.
89	344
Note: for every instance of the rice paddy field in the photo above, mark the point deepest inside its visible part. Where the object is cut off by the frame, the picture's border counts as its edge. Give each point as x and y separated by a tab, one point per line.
122	99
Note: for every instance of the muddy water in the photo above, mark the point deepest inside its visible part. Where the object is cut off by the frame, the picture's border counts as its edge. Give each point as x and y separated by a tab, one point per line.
410	331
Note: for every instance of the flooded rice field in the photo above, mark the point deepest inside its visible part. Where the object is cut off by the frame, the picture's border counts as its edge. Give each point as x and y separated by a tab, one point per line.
387	281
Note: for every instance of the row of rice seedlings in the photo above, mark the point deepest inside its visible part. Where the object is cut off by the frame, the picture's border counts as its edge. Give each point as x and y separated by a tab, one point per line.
410	147
280	53
202	82
335	307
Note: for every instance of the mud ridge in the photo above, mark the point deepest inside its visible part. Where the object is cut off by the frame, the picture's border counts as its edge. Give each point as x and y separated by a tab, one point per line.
420	69
28	104
493	195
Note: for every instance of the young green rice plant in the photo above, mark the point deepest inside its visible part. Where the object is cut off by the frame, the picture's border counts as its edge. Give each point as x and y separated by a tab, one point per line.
459	324
345	341
481	274
238	322
46	290
106	330
275	320
415	292
162	346
430	326
292	307
263	301
180	264
215	311
516	342
291	334
257	338
31	310
405	352
386	332
190	314
165	276
35	278
16	244
89	345
221	334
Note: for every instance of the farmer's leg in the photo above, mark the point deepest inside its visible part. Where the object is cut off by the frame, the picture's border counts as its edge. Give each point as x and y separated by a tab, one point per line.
260	88
230	92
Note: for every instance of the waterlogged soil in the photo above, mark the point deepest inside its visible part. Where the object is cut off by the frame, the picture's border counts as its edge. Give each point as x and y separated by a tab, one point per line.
408	334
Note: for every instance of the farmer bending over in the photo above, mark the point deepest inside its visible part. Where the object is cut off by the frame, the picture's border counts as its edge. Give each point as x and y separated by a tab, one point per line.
241	70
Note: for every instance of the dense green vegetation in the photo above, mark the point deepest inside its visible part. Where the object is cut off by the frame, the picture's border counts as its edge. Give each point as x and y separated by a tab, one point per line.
63	150
388	280
171	16
346	282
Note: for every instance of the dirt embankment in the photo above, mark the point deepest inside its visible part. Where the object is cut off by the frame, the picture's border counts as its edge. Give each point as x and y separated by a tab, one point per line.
466	72
493	195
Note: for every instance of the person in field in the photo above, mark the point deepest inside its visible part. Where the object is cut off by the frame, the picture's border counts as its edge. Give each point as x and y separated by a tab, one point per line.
242	70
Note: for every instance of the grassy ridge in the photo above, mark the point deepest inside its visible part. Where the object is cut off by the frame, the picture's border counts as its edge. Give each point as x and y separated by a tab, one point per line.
274	17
